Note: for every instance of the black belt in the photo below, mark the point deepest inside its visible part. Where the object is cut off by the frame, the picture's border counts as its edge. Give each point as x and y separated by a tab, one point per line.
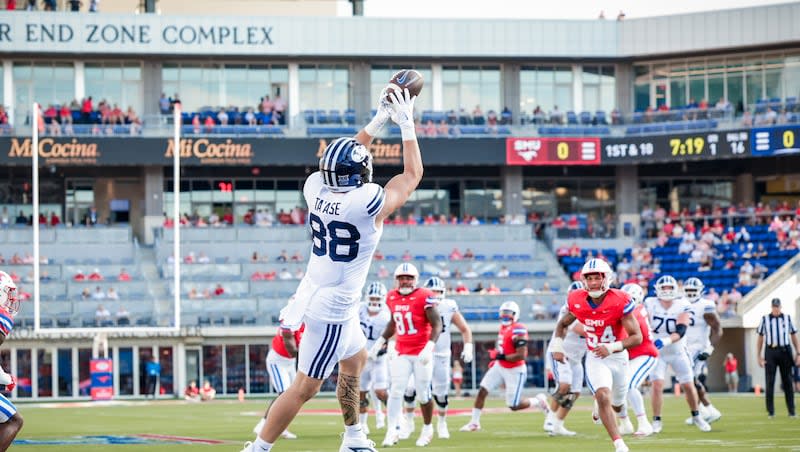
786	347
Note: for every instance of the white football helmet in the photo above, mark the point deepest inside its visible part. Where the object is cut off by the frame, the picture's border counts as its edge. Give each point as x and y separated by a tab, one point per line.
437	286
509	312
575	285
635	291
693	288
406	269
594	266
8	294
376	297
666	288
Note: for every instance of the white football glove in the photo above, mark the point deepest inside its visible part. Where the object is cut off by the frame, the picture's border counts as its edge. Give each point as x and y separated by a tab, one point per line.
376	348
426	355
382	114
5	378
402	109
468	354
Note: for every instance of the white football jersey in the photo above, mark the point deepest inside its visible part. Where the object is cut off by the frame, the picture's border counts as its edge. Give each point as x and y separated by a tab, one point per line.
574	345
698	334
446	308
344	238
372	325
664	321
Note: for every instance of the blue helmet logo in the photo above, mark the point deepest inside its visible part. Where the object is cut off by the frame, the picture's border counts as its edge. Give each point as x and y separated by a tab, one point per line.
345	164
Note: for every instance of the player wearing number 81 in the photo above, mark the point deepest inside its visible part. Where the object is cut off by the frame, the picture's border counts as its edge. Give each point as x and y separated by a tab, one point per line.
416	324
610	329
670	315
346	214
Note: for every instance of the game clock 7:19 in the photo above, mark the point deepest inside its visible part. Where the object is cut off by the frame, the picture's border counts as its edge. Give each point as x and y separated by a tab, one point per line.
690	146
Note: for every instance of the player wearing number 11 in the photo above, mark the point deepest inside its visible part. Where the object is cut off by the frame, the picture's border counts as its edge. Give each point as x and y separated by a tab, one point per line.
346	214
607	316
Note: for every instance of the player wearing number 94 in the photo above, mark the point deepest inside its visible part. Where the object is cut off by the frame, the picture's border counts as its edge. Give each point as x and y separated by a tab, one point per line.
346	214
607	316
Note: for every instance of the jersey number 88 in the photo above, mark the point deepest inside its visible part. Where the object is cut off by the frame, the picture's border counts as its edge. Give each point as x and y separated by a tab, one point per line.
332	239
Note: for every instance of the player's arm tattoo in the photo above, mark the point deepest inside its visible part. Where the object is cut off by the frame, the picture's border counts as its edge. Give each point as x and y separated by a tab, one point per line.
716	327
347	390
564	323
436	322
631	326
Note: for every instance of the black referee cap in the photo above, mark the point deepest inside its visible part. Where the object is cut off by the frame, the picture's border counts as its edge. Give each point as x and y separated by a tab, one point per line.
776	302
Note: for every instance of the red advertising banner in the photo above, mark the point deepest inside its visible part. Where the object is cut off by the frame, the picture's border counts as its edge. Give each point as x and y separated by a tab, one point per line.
552	151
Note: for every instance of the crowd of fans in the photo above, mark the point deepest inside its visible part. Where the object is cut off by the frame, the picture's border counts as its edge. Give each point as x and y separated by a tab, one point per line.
52	5
55	120
266	112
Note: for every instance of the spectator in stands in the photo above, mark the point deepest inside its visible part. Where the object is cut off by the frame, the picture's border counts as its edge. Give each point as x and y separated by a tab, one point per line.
299	273
92	217
101	316
95	275
761	252
123	276
279	110
573	225
79	276
443	129
250	117
470	273
219	290
98	294
378	256
208	393
555	116
461	288
297	257
284	274
407	256
222	117
503	272
86	294
194	294
196	123
554	308
123	316
456	255
479	288
528	289
209	124
164	104
202	258
283	257
574	250
383	272
112	294
538	311
493	289
192	392
468	254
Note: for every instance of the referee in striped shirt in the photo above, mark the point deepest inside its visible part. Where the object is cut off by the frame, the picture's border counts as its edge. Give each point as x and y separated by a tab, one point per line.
776	329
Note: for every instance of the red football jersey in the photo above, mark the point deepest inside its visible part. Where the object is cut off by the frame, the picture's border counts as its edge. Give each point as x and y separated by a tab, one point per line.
280	347
646	348
505	342
410	319
602	322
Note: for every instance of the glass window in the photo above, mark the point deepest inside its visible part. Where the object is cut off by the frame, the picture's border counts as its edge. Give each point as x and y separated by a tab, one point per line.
125	367
166	381
318	90
677	93
84	358
65	372
235	368
773	88
754	82
116	84
791	77
212	366
245	85
48	84
470	86
735	85
546	87
258	368
45	363
25	371
197	86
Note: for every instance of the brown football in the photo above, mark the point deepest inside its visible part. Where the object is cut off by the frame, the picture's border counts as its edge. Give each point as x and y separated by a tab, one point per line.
406	78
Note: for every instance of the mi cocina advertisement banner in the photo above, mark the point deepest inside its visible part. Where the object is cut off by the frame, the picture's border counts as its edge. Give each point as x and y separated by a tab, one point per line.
233	151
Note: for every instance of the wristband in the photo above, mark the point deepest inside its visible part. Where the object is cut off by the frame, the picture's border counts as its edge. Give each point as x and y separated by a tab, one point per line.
408	133
376	124
666	341
557	345
615	347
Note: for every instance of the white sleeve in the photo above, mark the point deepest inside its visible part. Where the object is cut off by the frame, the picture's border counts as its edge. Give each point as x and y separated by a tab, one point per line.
311	187
376	196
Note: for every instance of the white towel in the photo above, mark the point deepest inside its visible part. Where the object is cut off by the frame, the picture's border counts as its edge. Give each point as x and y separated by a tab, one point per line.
293	314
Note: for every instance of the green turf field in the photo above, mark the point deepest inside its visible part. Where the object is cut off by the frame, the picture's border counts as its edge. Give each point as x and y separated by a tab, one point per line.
743	427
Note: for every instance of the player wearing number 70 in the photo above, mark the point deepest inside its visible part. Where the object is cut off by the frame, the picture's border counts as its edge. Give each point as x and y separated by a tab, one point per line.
346	214
670	315
607	316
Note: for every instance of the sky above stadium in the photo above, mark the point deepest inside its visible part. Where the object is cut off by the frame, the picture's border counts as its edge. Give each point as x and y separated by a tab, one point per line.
547	9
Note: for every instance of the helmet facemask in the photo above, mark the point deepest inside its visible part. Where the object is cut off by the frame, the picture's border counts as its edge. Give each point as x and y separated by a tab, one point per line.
374	304
406	284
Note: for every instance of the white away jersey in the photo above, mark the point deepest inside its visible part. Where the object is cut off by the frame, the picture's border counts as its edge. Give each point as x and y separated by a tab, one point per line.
344	238
372	325
446	308
664	321
697	336
574	345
